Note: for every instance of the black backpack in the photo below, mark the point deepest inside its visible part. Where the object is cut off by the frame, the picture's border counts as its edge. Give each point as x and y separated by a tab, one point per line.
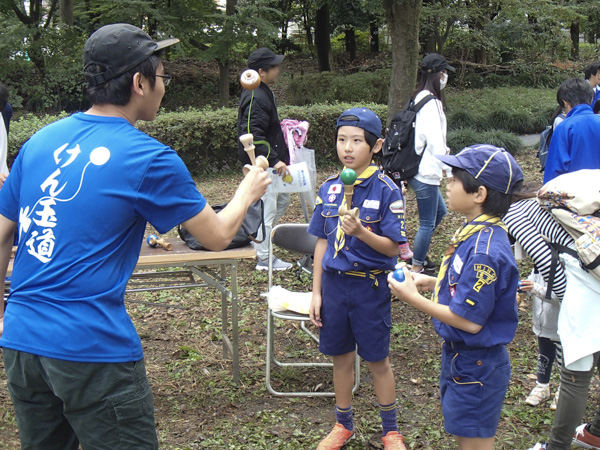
545	138
399	158
253	222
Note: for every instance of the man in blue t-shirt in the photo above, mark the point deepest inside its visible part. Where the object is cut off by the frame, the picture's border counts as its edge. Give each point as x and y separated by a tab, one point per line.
574	144
81	191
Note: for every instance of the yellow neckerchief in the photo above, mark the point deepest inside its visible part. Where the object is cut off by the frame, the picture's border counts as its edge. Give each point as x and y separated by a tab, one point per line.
462	234
340	237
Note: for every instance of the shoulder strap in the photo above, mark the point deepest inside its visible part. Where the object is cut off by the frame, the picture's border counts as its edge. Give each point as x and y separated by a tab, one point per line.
416	107
556	249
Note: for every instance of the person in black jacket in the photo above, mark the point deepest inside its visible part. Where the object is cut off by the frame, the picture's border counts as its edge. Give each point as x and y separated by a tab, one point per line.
258	115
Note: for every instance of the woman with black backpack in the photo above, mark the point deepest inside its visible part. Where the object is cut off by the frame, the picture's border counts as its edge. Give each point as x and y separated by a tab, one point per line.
430	140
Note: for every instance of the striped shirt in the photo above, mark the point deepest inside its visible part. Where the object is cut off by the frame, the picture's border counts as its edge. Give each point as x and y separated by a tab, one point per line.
533	228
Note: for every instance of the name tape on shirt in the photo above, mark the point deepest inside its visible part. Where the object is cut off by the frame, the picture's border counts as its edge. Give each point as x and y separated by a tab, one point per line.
335	189
485	275
397	207
457	264
372	204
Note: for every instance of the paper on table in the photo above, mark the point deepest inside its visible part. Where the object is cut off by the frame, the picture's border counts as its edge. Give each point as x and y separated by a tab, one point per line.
298	180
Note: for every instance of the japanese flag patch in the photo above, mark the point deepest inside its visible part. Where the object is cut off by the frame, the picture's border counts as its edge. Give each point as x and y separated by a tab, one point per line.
335	189
397	207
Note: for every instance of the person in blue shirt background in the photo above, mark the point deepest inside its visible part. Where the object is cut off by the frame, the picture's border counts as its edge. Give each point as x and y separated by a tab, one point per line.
474	306
575	141
592	75
351	301
81	192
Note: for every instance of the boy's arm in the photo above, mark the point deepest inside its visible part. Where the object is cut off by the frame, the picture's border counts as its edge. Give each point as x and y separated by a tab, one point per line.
7	233
315	305
408	292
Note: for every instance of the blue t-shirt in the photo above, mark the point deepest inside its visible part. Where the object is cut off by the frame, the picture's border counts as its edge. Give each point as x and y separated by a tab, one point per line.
481	286
381	211
82	190
574	145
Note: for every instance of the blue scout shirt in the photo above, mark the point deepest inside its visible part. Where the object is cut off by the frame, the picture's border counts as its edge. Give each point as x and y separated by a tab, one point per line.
481	286
381	208
81	191
574	145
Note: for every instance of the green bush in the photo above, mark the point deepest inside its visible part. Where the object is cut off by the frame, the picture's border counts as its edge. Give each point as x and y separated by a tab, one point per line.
465	137
24	127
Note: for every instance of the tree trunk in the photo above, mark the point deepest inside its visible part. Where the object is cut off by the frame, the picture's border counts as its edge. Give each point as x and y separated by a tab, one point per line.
575	41
66	11
403	22
223	83
374	32
323	37
224	64
350	41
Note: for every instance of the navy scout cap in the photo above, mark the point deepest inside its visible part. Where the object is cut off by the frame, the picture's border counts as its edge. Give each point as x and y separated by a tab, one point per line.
492	166
264	58
117	48
362	118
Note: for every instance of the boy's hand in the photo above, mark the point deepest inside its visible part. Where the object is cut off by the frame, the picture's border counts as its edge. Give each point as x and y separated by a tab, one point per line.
352	226
315	310
526	285
424	283
255	183
405	291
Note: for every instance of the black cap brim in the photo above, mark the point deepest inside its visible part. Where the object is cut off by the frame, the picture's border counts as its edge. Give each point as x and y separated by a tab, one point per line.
277	60
450	68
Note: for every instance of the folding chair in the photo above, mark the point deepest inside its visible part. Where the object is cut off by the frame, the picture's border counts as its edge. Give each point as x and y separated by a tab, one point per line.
294	237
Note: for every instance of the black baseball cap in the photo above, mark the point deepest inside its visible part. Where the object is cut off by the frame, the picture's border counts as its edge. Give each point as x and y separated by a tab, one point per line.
434	62
119	47
263	58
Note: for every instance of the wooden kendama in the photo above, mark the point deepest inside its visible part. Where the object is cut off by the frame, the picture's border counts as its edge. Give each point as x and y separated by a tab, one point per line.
155	242
348	177
250	79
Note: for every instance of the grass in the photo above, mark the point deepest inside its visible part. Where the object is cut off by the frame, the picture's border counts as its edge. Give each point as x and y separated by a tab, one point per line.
199	407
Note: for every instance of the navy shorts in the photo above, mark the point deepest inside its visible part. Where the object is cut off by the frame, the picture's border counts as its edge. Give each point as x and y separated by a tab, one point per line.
473	384
355	312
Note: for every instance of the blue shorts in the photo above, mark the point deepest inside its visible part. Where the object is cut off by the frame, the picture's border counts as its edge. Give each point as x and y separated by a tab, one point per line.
473	384
355	312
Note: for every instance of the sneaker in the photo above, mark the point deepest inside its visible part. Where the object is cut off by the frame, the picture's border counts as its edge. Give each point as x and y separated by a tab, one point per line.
554	403
429	264
583	438
539	446
393	441
335	440
406	253
263	264
538	395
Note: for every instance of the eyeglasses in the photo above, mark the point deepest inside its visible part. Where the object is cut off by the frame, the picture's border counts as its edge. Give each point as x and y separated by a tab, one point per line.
166	79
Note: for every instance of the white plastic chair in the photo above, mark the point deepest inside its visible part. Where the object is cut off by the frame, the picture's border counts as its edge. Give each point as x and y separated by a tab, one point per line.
294	237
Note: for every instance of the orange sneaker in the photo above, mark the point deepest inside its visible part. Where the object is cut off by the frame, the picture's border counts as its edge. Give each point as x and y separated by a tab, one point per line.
393	441
338	437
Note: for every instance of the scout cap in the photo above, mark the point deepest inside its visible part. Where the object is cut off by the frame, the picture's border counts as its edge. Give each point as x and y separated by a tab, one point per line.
118	48
492	166
362	118
434	62
263	58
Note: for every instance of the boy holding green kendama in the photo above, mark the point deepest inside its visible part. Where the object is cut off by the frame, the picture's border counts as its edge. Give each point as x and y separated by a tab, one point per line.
358	242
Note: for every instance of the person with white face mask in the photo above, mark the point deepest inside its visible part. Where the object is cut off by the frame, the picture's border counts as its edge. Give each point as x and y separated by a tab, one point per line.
430	140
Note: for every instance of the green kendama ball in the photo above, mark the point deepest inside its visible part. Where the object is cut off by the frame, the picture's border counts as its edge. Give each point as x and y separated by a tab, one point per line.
348	176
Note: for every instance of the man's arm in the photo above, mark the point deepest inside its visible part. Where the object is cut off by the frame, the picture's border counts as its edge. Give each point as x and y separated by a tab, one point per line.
215	231
7	232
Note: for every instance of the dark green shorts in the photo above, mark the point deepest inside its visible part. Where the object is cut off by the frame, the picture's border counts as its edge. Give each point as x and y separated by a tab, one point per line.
61	404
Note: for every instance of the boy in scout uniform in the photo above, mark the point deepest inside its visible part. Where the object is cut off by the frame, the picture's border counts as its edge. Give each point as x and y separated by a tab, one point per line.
474	296
351	301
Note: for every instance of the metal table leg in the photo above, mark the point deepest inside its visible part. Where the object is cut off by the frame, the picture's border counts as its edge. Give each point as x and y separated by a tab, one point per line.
234	323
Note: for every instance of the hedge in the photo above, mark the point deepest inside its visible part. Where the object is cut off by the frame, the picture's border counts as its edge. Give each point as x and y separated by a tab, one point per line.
206	139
